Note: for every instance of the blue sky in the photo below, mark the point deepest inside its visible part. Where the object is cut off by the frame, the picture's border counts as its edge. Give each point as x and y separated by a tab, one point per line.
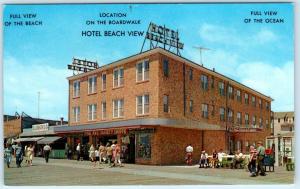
259	55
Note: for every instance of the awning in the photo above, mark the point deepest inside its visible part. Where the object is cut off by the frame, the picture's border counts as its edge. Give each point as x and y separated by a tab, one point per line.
48	140
28	139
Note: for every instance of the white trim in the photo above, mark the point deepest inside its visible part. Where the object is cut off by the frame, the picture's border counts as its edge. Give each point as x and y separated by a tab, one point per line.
94	84
76	81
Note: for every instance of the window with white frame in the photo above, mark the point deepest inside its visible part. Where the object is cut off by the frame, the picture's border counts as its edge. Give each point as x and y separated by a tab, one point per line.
142	71
221	89
103	81
246	120
92	84
118	108
166	67
204	82
222	114
76	88
230	92
191	105
92	112
118	77
76	114
239	118
238	95
204	110
191	74
230	115
142	104
246	98
253	101
253	121
103	104
260	122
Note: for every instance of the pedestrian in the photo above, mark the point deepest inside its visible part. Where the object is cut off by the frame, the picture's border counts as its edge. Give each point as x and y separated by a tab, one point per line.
118	155
8	154
214	159
30	154
78	150
102	153
203	160
189	154
26	153
260	159
113	146
18	154
252	161
47	150
97	154
92	155
109	153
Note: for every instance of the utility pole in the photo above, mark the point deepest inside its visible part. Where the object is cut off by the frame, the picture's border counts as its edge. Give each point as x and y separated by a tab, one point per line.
200	50
39	104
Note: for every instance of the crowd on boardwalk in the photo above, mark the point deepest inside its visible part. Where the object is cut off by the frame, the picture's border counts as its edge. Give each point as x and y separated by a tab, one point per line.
254	161
109	153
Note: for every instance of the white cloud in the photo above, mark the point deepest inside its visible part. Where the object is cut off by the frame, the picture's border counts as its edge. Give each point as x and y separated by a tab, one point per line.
230	36
275	81
22	82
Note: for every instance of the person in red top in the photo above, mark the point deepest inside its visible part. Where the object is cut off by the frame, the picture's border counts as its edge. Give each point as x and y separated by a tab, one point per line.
252	161
118	155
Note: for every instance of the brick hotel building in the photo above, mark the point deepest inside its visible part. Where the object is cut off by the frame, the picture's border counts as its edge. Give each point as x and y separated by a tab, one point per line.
155	103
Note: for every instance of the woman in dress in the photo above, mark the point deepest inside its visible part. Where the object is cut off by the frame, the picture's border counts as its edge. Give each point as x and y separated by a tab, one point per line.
8	154
92	155
30	153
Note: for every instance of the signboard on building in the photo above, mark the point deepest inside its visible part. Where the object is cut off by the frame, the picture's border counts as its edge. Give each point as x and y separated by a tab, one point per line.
161	35
40	127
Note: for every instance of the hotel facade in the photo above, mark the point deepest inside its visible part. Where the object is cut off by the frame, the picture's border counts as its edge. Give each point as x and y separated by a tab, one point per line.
155	103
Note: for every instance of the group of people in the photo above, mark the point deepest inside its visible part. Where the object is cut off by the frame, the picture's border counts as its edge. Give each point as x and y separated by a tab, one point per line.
19	154
255	163
111	153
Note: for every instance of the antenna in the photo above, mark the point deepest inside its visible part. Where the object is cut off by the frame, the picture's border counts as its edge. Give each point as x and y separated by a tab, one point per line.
39	104
200	50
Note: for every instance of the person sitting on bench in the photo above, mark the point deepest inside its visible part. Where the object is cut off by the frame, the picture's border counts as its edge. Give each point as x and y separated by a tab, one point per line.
238	159
203	160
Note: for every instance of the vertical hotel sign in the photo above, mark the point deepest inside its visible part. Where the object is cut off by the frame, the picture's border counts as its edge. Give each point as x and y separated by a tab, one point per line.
161	35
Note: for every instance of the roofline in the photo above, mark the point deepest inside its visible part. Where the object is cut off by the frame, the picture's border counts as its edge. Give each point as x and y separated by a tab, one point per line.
170	54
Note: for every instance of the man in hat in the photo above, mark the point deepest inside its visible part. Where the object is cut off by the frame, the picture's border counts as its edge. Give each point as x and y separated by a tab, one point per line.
260	159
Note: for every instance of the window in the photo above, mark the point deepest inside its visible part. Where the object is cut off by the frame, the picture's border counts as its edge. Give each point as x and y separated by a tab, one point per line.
254	121
191	74
213	110
191	105
142	71
246	98
92	84
221	89
76	114
246	120
259	103
166	103
239	118
204	82
267	123
118	108
212	83
103	81
260	123
267	105
253	101
92	112
142	104
166	67
230	115
205	110
238	145
222	114
118	77
76	88
143	145
238	95
103	110
230	92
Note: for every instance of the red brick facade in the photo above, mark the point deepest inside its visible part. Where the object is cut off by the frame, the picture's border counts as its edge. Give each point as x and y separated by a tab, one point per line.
168	143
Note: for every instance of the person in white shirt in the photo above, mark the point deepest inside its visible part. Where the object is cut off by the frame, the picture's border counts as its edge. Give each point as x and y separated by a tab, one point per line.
78	148
220	157
203	160
189	152
238	159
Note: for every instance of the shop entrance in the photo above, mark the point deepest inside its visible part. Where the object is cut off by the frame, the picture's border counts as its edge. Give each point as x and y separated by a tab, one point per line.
107	138
131	149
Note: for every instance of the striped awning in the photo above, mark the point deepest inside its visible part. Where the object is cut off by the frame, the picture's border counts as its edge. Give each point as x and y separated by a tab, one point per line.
49	140
34	139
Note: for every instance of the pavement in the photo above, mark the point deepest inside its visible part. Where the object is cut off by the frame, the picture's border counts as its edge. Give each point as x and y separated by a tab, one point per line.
62	172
